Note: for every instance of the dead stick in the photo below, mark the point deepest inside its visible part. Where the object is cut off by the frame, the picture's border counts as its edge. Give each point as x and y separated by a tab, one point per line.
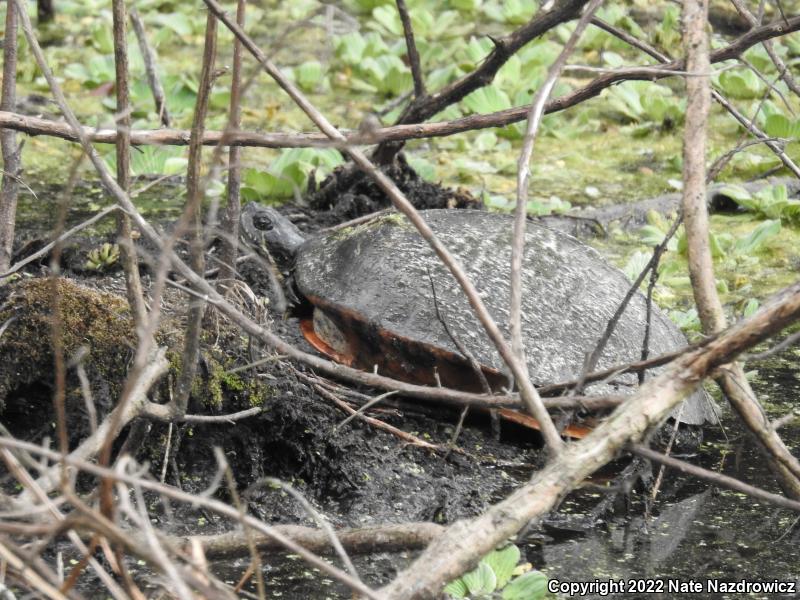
9	189
717	479
411	48
523	179
230	219
150	61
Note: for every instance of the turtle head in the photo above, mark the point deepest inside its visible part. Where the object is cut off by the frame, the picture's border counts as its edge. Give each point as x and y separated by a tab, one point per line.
270	232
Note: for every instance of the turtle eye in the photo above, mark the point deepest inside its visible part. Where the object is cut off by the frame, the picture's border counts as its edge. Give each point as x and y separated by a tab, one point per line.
263	222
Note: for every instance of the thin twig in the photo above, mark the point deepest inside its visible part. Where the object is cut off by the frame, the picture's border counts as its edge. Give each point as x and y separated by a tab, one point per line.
36	492
377	423
733	50
319	518
780	65
255	559
61	238
424	107
230	220
403	132
411	48
150	61
774	350
716	478
594	358
229	418
193	216
127	251
459	547
9	189
523	180
365	407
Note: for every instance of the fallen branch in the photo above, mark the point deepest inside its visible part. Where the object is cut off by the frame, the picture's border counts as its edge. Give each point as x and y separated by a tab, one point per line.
362	540
714	478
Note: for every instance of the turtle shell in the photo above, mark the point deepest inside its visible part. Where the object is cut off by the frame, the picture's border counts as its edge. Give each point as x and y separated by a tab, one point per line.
400	308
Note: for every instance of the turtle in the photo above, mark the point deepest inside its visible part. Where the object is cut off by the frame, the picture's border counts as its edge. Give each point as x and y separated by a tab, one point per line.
382	300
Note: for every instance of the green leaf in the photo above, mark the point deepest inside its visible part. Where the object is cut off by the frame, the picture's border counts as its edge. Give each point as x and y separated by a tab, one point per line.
502	562
440	77
466	5
742	84
717	251
389	19
737	193
423	167
686	320
651	235
175	165
487	100
456	589
530	586
309	74
102	38
635	265
350	47
466	167
758	237
482	581
613	60
485	140
477	49
780	126
178	22
750	308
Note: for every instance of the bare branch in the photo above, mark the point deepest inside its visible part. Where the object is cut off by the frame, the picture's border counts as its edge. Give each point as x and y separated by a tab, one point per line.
363	540
717	479
411	48
61	238
230	418
523	179
195	500
424	107
701	267
9	189
127	251
150	60
193	217
780	65
230	220
403	132
792	339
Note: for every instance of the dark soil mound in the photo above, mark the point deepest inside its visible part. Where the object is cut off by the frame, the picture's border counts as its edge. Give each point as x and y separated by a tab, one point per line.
347	193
